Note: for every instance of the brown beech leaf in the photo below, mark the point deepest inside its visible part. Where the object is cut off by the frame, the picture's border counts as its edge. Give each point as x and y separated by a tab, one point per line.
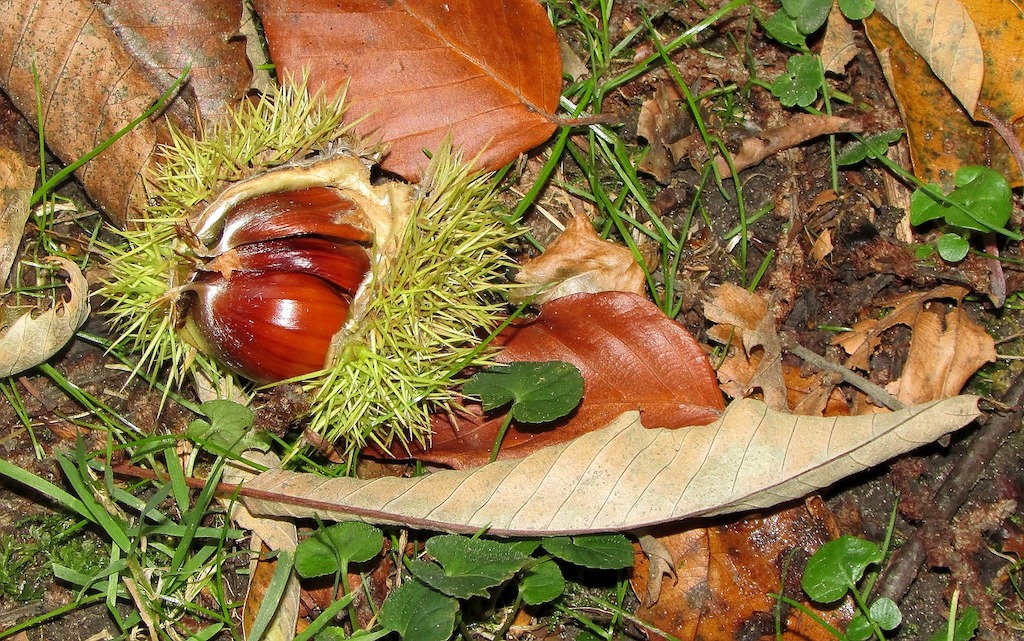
946	348
31	339
632	357
726	576
663	121
579	262
625	476
487	73
165	36
89	87
743	318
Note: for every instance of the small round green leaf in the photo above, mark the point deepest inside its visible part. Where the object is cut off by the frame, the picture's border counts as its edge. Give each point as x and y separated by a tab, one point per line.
886	613
952	247
837	566
857	9
782	27
859	629
324	551
540	392
809	15
799	85
467	567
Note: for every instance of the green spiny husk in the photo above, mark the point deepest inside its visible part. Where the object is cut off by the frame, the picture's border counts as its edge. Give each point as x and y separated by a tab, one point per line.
152	261
426	317
421	317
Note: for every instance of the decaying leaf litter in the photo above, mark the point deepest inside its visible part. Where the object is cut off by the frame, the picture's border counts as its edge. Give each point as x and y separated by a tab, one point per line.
867	264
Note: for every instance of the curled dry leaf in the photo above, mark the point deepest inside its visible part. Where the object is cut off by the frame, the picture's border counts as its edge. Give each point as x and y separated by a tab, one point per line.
16	180
743	317
267	534
30	340
838	47
89	88
632	357
625	476
946	347
663	121
799	129
487	73
579	262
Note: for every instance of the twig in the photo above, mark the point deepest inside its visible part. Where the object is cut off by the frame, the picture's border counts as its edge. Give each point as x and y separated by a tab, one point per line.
1005	132
876	392
906	561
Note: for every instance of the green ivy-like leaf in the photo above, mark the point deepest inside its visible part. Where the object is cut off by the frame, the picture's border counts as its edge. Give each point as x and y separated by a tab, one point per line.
597	551
468	567
859	629
980	201
227	429
837	566
886	613
799	85
419	613
326	550
539	392
542	583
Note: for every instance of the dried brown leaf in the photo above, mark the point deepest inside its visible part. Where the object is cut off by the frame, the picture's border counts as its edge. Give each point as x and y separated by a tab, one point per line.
165	36
799	129
625	476
743	316
727	576
838	47
631	356
89	88
579	262
31	340
16	180
487	73
945	348
943	33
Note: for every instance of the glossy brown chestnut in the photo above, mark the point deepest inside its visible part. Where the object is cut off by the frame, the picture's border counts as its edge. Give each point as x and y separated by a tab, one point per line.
314	211
266	326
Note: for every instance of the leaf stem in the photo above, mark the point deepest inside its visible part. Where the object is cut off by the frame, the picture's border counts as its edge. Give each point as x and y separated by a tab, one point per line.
501	436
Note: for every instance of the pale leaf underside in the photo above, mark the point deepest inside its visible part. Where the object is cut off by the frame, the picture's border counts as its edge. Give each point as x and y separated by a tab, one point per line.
625	476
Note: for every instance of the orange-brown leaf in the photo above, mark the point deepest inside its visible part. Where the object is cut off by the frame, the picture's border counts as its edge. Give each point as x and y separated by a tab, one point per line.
726	576
488	73
632	357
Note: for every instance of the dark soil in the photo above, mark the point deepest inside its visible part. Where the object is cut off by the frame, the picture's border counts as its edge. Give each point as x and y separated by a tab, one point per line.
974	547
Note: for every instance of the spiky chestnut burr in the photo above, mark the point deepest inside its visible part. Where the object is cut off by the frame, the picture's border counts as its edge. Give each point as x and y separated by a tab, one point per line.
268	252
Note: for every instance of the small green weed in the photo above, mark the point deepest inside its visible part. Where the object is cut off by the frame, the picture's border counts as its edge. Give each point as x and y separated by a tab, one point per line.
27	558
457	577
838	568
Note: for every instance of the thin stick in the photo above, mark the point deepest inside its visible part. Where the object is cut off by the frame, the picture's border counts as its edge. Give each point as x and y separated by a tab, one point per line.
876	392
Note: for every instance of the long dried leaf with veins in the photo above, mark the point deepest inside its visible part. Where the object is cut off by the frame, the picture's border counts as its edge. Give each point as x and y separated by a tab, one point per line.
487	72
625	476
89	88
16	180
30	340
